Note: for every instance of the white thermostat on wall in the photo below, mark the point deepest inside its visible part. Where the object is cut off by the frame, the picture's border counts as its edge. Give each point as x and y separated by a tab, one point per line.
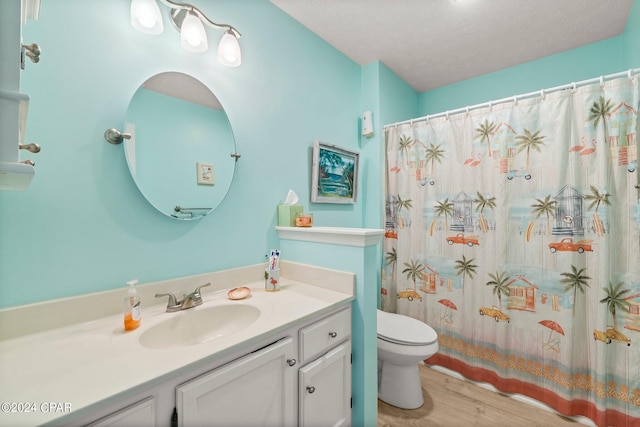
367	124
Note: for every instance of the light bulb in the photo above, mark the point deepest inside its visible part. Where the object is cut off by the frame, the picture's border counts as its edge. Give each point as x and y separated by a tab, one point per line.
193	37
229	53
146	17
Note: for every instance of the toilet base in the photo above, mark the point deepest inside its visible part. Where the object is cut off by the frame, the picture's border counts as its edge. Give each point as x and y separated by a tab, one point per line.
399	385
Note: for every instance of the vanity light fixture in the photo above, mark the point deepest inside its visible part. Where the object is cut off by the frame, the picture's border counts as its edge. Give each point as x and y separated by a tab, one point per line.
229	50
189	20
145	17
193	37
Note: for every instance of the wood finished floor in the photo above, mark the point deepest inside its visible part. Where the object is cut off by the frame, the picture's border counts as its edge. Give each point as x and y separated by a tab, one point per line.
451	402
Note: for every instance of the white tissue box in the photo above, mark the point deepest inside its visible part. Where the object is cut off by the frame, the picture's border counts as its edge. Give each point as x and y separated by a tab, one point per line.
287	215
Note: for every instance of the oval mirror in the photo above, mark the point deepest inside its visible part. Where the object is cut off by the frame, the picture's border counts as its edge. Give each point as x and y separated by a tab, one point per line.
179	153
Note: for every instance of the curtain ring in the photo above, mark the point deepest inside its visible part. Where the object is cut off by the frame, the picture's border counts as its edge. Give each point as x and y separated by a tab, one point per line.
573	86
490	105
542	94
515	99
467	110
447	115
426	120
602	81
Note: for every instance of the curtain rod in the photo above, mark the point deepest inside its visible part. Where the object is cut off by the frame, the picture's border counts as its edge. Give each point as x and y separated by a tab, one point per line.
515	98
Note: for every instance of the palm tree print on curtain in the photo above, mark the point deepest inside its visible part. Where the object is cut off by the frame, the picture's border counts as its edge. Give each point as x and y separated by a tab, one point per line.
532	222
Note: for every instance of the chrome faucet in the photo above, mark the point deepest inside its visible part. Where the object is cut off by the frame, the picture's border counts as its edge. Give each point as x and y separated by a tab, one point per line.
188	301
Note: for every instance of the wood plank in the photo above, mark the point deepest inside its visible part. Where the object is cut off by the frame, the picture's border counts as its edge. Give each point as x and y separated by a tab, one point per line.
451	402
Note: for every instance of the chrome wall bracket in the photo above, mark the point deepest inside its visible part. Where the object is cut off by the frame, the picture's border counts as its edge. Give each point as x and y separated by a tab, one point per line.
32	51
114	136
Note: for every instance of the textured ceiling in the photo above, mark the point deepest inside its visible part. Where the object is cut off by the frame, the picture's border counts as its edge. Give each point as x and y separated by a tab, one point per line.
432	43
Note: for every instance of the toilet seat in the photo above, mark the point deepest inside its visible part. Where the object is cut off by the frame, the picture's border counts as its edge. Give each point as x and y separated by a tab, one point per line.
404	330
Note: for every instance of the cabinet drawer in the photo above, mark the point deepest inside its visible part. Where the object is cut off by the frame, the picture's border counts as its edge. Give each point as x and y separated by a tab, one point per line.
320	336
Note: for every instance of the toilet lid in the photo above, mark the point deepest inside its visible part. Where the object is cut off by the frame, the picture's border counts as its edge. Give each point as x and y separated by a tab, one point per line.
397	328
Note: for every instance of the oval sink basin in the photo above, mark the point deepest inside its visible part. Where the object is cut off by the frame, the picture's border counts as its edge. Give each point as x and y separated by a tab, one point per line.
199	325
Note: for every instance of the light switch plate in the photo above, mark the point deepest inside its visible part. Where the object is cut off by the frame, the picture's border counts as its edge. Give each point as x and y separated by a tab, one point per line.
205	173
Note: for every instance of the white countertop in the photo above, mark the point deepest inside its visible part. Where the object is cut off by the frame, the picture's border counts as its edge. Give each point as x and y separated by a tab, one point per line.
80	365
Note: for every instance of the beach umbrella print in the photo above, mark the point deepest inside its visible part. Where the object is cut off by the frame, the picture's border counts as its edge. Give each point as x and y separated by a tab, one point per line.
553	327
449	305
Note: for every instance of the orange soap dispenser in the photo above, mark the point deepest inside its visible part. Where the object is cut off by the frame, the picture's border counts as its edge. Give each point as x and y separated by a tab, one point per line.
132	307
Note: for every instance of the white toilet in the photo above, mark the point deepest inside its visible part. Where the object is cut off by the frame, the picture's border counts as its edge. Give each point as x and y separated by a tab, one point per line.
403	342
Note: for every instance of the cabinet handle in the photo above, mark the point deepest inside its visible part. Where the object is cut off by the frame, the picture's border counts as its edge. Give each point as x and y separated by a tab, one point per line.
291	362
310	389
333	334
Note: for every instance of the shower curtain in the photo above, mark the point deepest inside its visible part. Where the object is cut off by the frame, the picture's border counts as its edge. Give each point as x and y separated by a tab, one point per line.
513	231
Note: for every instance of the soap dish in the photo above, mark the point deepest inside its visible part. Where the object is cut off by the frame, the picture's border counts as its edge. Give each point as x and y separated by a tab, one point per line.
239	293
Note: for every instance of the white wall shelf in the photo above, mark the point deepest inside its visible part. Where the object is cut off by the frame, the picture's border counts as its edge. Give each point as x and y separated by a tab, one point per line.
344	236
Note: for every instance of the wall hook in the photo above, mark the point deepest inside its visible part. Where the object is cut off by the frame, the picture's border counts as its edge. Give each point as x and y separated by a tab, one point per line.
235	156
114	136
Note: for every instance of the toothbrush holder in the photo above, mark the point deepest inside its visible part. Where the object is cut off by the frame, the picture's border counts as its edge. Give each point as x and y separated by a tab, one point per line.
271	280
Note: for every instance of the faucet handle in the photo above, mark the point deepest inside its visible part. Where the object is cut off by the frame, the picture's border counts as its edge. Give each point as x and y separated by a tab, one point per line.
197	291
196	297
172	303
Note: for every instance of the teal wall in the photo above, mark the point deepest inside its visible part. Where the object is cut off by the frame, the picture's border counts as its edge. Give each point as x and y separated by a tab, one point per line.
390	99
83	226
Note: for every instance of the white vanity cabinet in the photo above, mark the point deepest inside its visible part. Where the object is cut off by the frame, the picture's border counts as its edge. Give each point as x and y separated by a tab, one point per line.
324	382
298	376
256	390
139	414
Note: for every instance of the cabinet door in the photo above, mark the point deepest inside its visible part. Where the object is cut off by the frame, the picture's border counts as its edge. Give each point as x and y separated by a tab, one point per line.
325	389
138	415
255	390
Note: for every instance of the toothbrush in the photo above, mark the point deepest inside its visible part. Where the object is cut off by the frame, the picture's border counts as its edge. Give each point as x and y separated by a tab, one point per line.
274	259
277	259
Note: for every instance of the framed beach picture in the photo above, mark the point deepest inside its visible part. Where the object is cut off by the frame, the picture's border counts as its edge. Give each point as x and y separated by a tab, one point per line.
334	175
